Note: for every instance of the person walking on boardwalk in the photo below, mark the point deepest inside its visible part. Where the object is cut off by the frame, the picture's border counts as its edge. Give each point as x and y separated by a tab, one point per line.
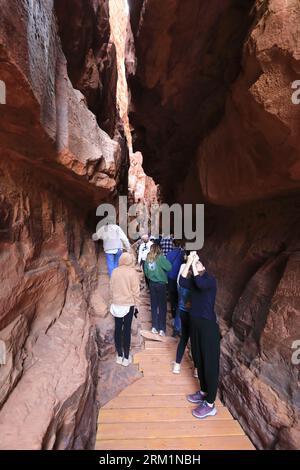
184	307
204	334
125	291
176	258
156	269
114	240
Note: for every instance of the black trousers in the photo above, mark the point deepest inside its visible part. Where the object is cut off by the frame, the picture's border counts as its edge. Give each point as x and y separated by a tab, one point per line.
185	334
205	344
123	333
173	295
158	297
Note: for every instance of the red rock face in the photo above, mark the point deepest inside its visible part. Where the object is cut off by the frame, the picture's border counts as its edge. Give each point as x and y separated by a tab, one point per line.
254	253
85	35
188	55
48	272
213	116
216	81
56	166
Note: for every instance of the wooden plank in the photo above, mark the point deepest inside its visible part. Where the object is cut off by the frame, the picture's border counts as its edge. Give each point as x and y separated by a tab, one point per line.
148	415
171	380
158	401
160	352
194	443
166	352
161	364
158	361
163	371
156	430
160	358
141	389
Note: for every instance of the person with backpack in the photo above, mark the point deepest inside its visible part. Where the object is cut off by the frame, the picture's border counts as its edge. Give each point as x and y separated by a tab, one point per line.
156	268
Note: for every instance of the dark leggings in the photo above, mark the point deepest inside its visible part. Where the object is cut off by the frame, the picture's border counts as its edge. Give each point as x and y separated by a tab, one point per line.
123	333
205	343
158	296
185	334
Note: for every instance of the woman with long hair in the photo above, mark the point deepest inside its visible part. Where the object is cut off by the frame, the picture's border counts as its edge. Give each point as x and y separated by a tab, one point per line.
156	268
182	318
204	334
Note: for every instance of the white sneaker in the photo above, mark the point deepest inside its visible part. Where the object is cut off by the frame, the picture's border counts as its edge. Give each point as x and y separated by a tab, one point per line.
126	362
119	359
176	368
162	333
154	331
195	374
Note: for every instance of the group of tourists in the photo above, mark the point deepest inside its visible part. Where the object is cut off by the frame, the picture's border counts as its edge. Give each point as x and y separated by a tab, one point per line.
170	272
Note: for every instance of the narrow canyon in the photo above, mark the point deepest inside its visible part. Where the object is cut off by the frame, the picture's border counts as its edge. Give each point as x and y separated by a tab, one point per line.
101	98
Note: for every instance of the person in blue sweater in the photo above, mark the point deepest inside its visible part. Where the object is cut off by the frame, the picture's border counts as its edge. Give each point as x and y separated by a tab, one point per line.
184	307
204	334
176	258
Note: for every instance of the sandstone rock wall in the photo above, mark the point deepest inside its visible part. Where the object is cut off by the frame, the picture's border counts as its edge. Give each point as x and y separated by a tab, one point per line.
213	116
254	253
84	29
56	166
48	272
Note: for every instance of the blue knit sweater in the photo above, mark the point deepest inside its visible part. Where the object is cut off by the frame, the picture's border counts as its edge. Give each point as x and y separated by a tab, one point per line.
203	295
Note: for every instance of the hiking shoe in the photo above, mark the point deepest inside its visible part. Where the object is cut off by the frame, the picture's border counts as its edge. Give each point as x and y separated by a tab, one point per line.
204	410
176	368
119	359
197	397
126	362
154	331
162	333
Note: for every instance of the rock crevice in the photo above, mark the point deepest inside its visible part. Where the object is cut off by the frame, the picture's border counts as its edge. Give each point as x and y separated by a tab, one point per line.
213	114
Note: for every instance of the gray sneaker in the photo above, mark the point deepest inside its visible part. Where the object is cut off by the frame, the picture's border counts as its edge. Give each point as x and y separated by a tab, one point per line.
197	397
203	410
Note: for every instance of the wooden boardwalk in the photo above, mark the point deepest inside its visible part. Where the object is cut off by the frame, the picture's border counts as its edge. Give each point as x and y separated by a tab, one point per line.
154	414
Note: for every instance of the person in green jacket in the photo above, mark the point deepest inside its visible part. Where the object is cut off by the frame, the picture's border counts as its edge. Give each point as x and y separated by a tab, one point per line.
156	268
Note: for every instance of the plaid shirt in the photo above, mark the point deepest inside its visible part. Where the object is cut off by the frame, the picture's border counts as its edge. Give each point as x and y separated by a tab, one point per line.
166	245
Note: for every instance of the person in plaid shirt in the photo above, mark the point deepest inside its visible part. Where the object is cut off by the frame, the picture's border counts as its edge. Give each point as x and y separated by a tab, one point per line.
166	244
